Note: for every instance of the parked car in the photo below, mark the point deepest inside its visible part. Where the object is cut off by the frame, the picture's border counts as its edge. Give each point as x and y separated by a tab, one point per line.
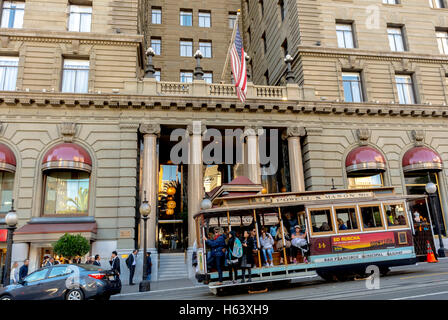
65	282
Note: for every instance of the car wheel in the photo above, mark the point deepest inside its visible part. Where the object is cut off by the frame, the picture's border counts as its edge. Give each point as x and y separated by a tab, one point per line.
6	298
74	294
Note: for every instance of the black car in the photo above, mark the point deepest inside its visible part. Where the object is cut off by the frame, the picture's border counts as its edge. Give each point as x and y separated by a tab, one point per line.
65	282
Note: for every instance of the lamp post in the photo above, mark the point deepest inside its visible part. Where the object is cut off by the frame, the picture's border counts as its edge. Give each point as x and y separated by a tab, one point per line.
198	72
150	71
431	189
11	220
289	74
145	210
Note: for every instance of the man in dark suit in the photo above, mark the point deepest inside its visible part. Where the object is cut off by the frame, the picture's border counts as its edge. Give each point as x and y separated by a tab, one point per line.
97	261
23	271
131	262
115	263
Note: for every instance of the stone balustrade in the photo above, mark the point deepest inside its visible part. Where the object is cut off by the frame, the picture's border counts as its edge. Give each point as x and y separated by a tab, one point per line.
199	88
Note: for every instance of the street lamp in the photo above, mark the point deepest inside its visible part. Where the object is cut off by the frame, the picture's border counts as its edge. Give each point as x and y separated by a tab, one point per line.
150	71
11	220
145	210
289	74
198	72
431	189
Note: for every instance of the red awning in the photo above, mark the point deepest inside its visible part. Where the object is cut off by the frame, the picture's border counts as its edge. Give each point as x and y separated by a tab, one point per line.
42	228
7	159
365	159
421	158
3	235
67	156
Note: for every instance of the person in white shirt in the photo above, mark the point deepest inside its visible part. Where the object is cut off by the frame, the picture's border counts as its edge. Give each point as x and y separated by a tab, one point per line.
131	262
14	277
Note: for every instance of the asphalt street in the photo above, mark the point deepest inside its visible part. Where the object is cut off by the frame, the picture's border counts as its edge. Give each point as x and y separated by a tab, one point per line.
423	281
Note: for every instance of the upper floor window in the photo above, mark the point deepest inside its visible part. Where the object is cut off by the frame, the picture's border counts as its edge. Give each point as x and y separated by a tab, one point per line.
263	38
75	76
405	88
281	6
396	40
157	74
206	49
208	77
80	18
156	45
232	20
390	1
352	87
204	19
186	18
12	14
442	41
437	3
186	76
156	16
186	48
344	32
8	73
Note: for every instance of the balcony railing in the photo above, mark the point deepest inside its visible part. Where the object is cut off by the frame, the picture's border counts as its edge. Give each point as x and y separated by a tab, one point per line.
216	90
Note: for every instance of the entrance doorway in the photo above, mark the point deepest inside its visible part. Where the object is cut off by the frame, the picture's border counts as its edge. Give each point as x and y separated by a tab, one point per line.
2	263
171	236
415	184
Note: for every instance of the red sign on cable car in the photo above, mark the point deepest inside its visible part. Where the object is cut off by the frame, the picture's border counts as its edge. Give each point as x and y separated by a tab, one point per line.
3	235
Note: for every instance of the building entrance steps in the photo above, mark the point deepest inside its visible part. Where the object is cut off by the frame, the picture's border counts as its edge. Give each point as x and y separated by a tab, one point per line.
172	266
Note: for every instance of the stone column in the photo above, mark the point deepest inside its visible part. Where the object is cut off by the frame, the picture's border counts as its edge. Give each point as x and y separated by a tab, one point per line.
150	179
293	135
252	154
195	177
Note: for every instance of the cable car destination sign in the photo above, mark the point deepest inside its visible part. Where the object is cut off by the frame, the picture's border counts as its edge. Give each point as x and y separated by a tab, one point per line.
317	197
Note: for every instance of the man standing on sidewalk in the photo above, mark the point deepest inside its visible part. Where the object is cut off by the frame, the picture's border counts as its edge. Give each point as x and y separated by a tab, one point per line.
148	266
131	262
115	263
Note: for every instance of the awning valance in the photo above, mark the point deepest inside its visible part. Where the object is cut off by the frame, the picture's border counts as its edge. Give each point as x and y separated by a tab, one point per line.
42	232
67	156
421	158
365	159
7	159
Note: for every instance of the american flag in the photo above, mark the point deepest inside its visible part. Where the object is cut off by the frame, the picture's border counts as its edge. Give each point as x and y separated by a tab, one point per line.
239	66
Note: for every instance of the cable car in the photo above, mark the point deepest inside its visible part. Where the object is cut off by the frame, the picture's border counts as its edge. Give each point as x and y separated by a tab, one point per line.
346	231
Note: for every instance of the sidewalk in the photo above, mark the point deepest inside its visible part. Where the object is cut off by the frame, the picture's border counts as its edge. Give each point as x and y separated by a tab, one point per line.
160	285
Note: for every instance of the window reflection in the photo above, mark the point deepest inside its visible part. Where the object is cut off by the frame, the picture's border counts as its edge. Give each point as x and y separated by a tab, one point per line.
395	215
375	181
321	220
6	188
371	217
346	219
66	192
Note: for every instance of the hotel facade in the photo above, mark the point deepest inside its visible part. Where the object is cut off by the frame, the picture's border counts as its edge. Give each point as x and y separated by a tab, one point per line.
86	134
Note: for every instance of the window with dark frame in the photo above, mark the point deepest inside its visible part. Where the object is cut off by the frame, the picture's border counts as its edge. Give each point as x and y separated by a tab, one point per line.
321	220
371	217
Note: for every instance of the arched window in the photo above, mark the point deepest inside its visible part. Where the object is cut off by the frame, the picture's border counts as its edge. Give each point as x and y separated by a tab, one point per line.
7	172
66	169
365	167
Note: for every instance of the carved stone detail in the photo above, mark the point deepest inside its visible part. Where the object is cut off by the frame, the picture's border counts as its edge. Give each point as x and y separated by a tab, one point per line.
295	132
196	128
67	131
418	136
150	128
363	136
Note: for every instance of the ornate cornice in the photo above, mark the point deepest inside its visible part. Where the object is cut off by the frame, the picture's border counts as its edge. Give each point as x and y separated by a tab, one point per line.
39	100
370	55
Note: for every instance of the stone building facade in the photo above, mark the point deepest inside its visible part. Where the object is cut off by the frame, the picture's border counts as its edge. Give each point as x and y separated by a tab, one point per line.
112	133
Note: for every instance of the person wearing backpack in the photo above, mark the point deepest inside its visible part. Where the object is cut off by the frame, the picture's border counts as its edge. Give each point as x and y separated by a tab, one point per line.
234	252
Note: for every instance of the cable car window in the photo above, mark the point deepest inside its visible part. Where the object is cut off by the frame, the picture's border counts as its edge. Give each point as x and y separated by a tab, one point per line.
395	215
371	217
321	221
346	219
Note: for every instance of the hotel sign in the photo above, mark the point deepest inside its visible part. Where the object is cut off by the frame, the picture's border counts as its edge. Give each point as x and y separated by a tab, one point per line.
322	197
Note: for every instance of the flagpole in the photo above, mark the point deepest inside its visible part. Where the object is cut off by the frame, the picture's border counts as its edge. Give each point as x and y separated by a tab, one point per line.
230	45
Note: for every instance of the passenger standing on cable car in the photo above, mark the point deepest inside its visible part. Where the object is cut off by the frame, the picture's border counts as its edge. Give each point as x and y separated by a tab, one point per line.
233	261
218	249
247	260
